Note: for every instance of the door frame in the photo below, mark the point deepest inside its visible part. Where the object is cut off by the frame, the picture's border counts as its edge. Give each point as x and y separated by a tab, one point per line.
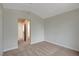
26	31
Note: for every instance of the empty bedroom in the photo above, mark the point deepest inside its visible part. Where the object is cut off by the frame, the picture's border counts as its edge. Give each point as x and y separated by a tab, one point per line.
39	29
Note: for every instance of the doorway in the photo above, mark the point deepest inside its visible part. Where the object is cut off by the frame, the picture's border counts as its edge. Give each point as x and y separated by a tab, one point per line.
24	32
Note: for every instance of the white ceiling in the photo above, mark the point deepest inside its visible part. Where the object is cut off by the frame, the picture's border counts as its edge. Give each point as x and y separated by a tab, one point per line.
44	10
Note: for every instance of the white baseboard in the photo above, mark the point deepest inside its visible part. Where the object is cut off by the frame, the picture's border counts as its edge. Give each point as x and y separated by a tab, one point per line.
36	42
9	49
65	46
17	46
1	53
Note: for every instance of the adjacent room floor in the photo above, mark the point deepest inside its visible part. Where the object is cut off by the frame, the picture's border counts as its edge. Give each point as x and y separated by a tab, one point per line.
41	49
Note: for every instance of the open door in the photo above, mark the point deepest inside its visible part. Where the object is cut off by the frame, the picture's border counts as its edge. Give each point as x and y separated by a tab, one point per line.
24	36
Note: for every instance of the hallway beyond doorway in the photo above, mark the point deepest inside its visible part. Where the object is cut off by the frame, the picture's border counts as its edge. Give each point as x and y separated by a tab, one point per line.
23	32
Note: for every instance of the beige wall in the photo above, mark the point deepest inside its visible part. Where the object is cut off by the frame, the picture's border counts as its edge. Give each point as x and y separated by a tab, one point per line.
1	37
63	29
11	28
37	28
